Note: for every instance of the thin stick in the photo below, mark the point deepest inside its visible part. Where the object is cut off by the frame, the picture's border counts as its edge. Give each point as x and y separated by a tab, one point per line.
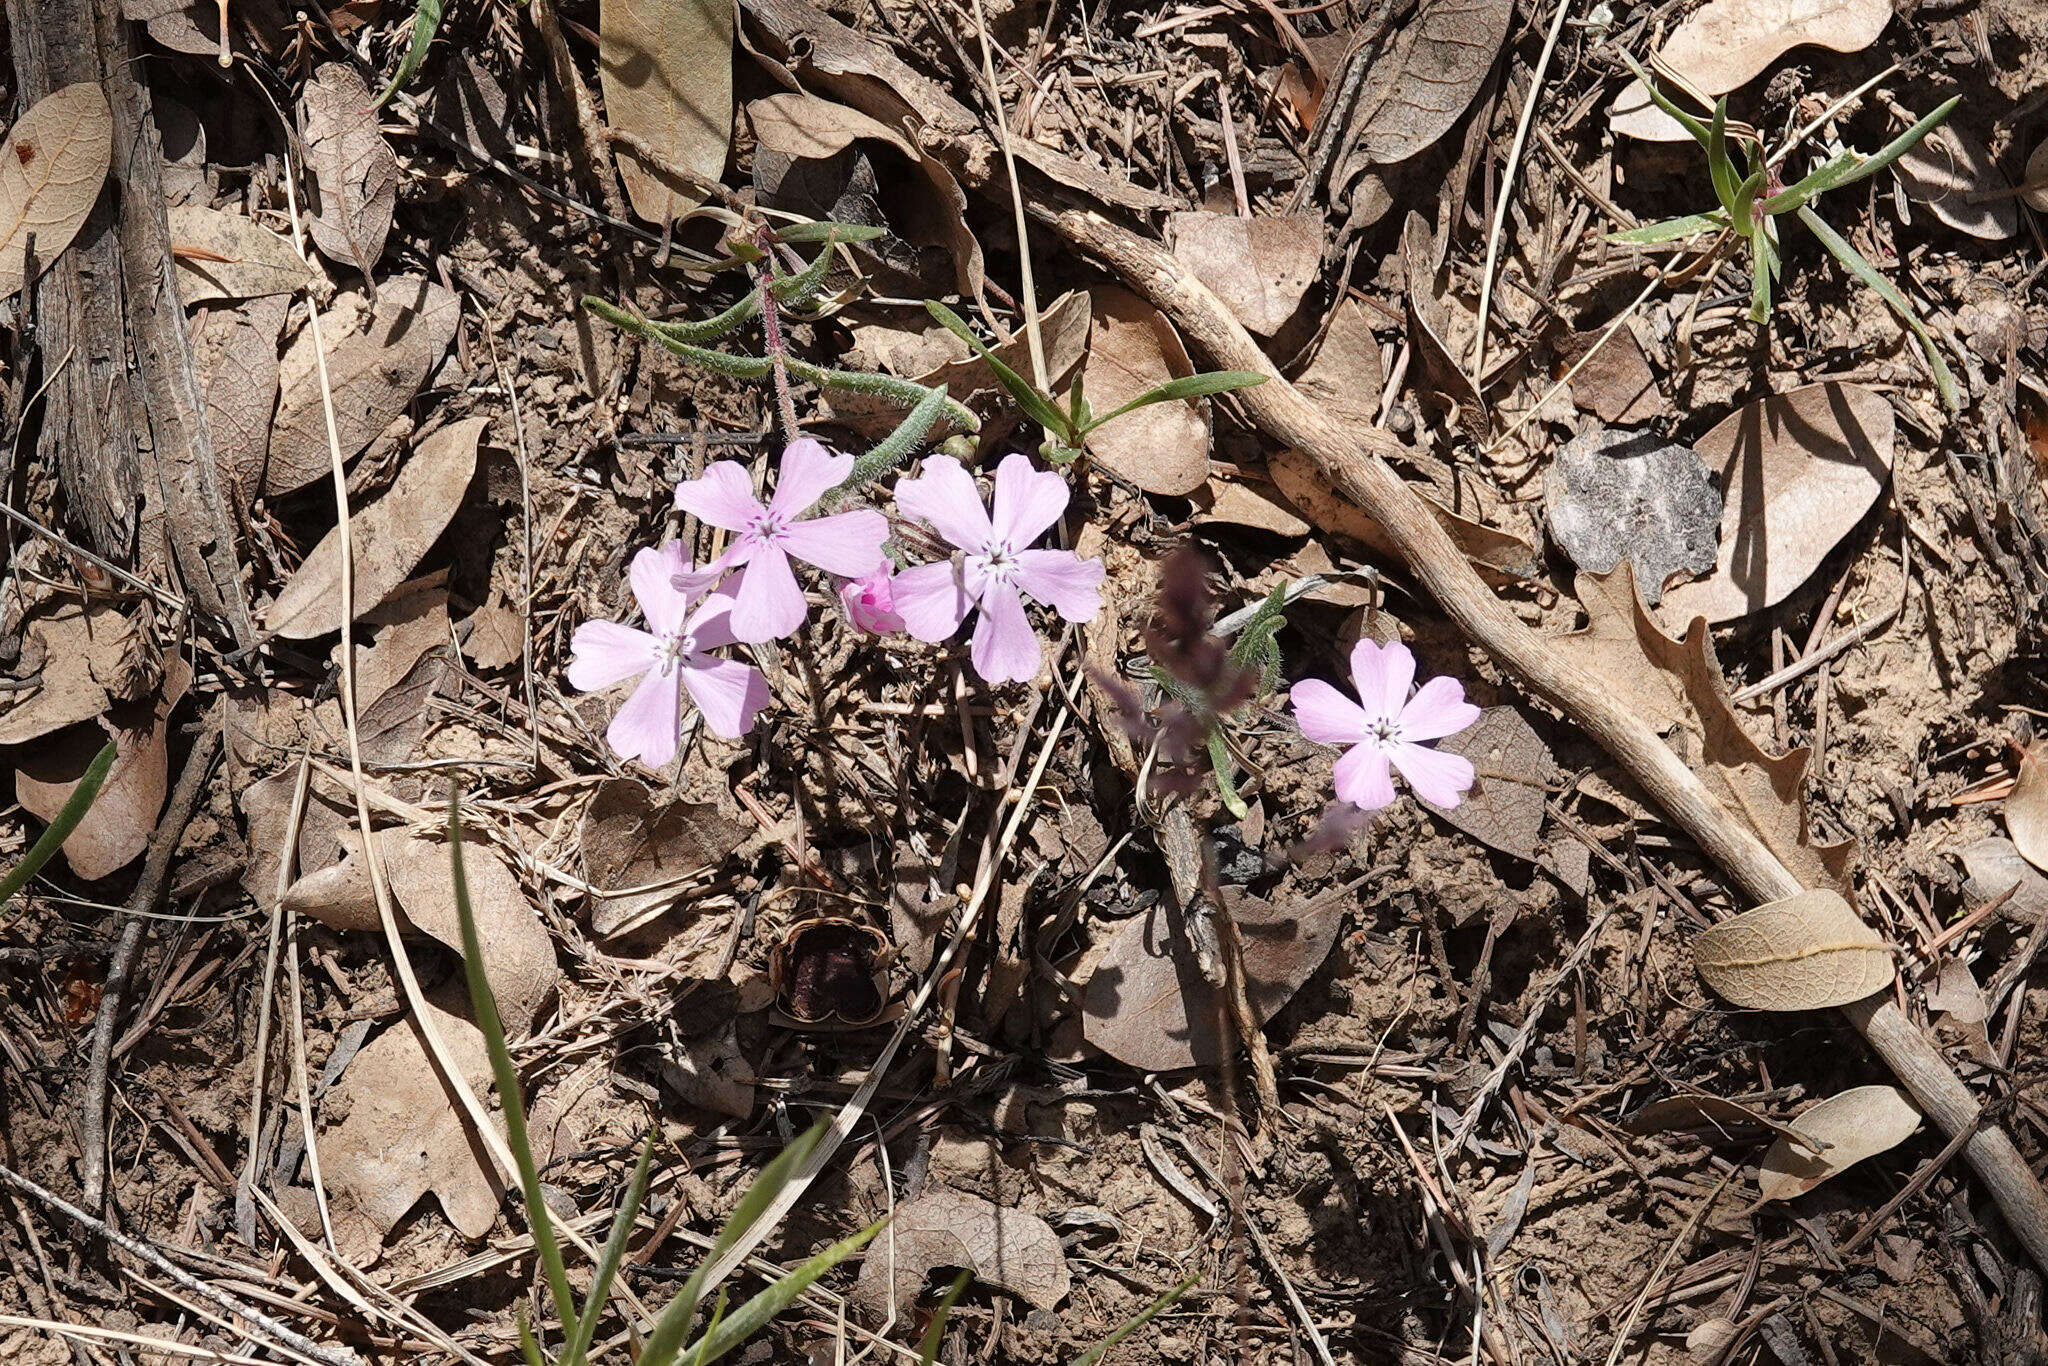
1030	291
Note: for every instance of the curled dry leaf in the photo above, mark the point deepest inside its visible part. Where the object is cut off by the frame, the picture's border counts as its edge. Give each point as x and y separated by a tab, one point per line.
374	368
390	536
1251	503
1260	267
1798	471
1422	83
355	173
1006	1248
51	169
666	70
75	646
1858	1123
1806	952
1147	1003
1994	867
229	256
1947	171
2026	809
1504	810
636	855
1612	495
1725	43
1713	1118
1131	348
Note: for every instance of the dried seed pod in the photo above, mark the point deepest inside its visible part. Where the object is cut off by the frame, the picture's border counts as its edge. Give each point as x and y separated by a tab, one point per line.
830	972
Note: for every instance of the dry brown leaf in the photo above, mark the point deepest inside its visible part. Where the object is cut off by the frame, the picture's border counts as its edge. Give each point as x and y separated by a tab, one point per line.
2037	177
375	367
1798	470
712	1074
1725	43
1433	67
1296	476
355	174
1624	648
1992	868
409	624
496	638
1147	1004
390	536
1252	504
635	853
1063	333
51	169
1343	374
117	826
1006	1248
392	727
1615	381
1131	348
1612	496
666	69
1504	810
2026	809
1725	1120
1806	952
1260	267
1946	171
1858	1123
78	645
228	256
1634	114
234	358
1953	990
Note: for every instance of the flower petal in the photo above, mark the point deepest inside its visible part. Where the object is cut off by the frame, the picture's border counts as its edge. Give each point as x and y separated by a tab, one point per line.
1361	778
932	599
1027	501
1438	709
945	497
768	604
1005	648
808	472
1381	673
727	692
1326	715
647	726
1438	778
1062	581
604	653
662	587
846	543
711	627
870	603
724	497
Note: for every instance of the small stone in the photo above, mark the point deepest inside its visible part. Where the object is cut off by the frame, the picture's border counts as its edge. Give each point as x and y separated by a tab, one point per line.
1612	495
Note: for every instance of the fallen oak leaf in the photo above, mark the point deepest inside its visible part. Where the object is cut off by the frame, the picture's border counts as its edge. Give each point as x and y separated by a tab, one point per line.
229	256
78	645
1260	267
1856	1124
1132	348
1726	43
51	169
355	172
1806	952
1006	1248
1623	646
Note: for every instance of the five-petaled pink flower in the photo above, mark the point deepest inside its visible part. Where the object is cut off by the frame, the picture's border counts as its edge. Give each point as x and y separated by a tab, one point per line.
1388	729
870	603
768	604
997	569
672	654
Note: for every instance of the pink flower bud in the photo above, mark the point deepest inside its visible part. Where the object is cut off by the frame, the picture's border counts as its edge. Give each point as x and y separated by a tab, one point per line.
871	602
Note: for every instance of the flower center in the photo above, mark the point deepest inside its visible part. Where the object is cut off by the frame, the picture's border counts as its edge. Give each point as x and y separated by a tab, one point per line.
997	561
1386	730
770	527
673	649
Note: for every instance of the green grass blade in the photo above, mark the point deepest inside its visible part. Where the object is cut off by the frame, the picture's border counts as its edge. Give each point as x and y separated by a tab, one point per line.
1904	142
1689	122
1944	382
717	1318
43	850
528	1347
1718	164
1837	172
1672	229
485	1004
1038	407
928	1349
1763	263
426	21
1132	1325
751	1317
608	1261
1188	386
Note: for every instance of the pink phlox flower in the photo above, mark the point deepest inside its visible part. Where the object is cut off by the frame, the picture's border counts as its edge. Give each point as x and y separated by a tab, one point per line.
870	602
1385	729
767	602
671	656
996	570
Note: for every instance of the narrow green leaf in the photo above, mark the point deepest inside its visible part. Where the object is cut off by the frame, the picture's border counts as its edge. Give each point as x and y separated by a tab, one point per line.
1904	142
696	1356
1038	407
1718	165
426	21
44	849
1672	229
795	291
825	228
528	1347
1224	766
1689	122
1816	182
1944	382
1134	1323
759	1311
1763	265
608	1261
1190	386
928	1349
714	327
1742	215
485	1005
895	448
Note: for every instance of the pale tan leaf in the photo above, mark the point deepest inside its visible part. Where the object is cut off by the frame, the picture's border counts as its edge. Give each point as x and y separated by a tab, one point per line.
1132	348
1994	868
1954	175
409	623
2026	809
2037	177
1724	43
497	636
257	261
1259	267
235	359
1302	484
1433	67
1343	374
1250	503
355	173
666	71
1615	380
1006	1248
1798	471
51	169
1504	810
375	368
1623	647
1634	114
78	645
1858	1123
1806	952
390	535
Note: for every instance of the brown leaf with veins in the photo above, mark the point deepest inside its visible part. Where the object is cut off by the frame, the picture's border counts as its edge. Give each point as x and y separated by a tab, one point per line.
1007	1248
52	167
355	173
1424	80
235	359
1260	267
1626	649
1806	952
1162	449
1855	1124
666	70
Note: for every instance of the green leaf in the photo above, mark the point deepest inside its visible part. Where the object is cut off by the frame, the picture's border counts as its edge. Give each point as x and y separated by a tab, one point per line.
1224	765
1135	1322
1816	182
1689	122
1944	382
1904	142
759	1311
82	797
528	1347
1672	229
712	328
608	1261
795	291
1742	215
426	21
895	448
485	1006
825	229
1037	406
1718	165
1764	266
1190	386
928	1349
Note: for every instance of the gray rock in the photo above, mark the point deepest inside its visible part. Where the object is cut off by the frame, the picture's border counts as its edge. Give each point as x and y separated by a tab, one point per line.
1612	495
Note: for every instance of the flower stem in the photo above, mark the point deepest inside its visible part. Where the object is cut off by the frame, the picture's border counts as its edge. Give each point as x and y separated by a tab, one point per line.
773	341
